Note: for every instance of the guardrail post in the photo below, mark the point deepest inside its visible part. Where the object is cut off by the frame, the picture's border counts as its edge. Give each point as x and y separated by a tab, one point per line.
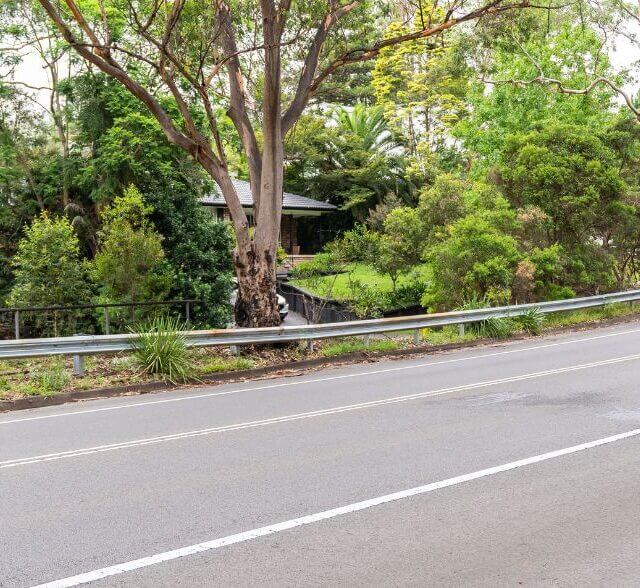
187	314
416	336
233	349
310	343
106	320
461	329
366	340
78	363
16	324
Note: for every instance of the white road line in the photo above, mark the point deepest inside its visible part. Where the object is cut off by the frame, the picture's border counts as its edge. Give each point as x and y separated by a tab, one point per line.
11	463
316	380
158	558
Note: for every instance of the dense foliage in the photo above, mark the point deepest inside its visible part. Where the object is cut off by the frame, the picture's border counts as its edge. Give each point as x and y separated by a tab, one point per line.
463	171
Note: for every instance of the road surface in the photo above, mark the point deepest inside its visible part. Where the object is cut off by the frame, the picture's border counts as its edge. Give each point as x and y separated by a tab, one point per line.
511	464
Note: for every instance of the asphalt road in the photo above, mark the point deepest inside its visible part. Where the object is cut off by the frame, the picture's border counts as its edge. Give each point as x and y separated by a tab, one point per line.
512	464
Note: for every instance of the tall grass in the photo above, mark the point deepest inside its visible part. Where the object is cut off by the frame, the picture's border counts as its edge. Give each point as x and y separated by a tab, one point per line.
532	321
493	328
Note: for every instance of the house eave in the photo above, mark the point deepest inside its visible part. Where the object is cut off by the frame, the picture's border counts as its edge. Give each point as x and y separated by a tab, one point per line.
297	212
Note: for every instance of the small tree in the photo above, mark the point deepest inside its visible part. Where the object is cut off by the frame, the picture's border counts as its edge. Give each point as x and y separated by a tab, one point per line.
48	268
475	260
129	264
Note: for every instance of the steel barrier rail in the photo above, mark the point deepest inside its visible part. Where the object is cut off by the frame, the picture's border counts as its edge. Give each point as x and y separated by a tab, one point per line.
103	344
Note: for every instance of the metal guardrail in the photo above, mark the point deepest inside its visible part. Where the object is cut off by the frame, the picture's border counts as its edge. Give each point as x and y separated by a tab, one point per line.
102	344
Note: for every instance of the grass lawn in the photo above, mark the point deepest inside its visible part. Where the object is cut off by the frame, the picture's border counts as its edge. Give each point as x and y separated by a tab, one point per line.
337	286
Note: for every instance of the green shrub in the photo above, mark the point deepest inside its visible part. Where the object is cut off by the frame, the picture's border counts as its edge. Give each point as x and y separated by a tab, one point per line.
321	264
407	295
532	321
559	292
366	301
160	348
474	259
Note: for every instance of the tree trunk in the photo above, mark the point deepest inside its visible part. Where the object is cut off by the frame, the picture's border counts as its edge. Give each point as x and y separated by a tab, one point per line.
257	301
254	256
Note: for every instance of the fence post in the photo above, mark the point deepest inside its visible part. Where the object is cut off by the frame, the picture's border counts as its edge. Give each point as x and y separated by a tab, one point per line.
106	320
187	314
16	323
78	362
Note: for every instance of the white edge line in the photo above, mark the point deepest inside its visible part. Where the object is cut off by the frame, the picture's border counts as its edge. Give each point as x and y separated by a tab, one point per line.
144	562
22	461
315	380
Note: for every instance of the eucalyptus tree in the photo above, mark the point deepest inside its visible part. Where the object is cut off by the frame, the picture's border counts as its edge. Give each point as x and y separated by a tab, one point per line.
261	62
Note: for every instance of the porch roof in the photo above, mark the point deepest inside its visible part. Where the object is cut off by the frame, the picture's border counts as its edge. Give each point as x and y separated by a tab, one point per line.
290	202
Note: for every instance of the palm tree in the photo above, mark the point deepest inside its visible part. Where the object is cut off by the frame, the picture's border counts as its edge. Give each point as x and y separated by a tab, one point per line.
370	159
367	123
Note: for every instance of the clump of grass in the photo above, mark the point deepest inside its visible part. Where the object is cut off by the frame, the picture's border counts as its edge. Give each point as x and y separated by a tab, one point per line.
225	364
615	309
493	328
49	380
160	348
353	345
532	321
449	334
589	315
29	389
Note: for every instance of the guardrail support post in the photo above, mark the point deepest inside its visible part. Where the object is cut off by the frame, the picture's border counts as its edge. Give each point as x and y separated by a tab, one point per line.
106	320
461	329
366	340
233	349
78	363
416	336
310	343
16	323
187	313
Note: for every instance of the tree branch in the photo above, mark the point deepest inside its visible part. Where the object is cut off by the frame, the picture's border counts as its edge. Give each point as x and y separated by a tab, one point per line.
294	110
562	89
237	111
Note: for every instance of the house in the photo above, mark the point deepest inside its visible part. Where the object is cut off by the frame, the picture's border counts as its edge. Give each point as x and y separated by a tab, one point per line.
294	207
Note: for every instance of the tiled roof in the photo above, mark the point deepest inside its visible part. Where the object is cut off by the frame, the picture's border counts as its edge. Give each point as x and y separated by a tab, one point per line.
289	201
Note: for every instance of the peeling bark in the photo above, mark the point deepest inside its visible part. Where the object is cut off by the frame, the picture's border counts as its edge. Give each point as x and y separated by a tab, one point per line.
257	301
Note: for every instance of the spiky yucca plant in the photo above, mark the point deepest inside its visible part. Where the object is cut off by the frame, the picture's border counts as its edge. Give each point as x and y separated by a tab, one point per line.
494	328
532	321
160	348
